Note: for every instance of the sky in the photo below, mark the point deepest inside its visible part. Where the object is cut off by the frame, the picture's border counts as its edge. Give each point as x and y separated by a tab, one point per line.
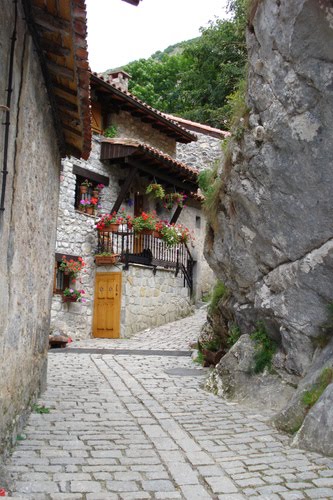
119	33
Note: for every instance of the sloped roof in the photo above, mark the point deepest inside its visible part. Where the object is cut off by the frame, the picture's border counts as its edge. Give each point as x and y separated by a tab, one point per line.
59	31
141	110
154	159
200	127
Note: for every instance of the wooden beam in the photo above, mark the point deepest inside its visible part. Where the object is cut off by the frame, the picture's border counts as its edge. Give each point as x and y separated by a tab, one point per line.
64	103
58	70
83	172
155	172
50	22
176	215
54	48
127	184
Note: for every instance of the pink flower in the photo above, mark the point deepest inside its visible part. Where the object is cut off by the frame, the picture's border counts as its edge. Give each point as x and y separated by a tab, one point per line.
83	300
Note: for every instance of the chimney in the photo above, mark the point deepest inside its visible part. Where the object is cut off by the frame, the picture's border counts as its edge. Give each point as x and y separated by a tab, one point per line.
119	79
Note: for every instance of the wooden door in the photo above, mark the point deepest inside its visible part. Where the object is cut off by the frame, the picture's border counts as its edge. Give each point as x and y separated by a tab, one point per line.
107	304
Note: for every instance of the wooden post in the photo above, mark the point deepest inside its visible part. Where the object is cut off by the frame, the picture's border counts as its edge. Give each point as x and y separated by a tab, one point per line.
127	184
176	214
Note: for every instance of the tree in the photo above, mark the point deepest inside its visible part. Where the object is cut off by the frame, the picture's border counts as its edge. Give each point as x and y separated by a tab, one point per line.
197	79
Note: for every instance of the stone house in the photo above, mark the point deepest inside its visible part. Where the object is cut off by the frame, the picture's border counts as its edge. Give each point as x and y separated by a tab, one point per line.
45	115
150	284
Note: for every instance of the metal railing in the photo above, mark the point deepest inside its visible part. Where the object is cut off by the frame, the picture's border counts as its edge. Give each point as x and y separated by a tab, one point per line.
148	250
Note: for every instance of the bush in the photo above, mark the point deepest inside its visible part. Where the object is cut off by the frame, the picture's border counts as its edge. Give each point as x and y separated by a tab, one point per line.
265	348
219	291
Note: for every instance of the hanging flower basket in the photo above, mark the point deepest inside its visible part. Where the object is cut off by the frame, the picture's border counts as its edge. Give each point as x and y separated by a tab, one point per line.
106	259
157	234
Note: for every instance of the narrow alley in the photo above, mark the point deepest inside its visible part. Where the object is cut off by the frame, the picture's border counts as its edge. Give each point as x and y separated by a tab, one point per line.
137	425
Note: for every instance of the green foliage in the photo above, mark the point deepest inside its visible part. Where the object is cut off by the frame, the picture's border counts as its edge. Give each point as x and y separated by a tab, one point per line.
238	111
196	79
110	131
40	408
211	183
265	348
156	190
21	437
219	291
309	398
233	335
200	358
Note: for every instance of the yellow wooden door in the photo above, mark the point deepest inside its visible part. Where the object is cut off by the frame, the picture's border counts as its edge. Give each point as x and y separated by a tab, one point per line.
107	299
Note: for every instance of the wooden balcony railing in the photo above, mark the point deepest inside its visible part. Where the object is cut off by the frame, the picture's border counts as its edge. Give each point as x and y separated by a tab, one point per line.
150	251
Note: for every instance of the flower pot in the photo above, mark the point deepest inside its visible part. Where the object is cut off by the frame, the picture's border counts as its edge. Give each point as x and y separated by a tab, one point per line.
83	189
156	234
106	260
68	299
95	193
90	210
82	208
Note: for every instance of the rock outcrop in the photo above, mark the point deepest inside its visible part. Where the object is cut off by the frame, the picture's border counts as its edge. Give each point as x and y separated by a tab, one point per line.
273	241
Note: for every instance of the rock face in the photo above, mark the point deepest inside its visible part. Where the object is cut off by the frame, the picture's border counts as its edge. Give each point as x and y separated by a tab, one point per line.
273	246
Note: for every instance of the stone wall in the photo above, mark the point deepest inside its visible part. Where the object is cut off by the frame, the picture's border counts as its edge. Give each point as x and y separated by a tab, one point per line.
76	236
202	153
152	300
133	128
27	229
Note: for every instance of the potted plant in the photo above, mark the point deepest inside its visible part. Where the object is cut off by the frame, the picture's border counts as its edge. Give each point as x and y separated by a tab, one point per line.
84	186
82	205
105	259
91	205
110	222
170	235
172	199
144	223
71	267
71	295
156	190
184	233
158	227
97	190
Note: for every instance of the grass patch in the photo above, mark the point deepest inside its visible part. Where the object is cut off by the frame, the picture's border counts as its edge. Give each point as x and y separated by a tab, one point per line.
233	335
219	292
200	358
40	408
211	184
265	348
310	398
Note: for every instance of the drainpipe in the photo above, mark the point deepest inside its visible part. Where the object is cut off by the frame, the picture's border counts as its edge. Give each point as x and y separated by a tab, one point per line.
9	91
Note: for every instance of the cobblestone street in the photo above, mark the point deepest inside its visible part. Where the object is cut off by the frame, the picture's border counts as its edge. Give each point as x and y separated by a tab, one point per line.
131	426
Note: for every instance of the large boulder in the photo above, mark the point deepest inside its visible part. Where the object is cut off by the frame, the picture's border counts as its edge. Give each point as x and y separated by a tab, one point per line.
234	379
272	240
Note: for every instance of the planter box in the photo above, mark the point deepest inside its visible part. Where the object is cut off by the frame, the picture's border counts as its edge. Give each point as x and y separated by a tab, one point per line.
106	260
112	228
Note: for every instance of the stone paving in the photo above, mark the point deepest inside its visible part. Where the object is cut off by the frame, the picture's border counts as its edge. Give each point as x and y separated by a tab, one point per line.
140	427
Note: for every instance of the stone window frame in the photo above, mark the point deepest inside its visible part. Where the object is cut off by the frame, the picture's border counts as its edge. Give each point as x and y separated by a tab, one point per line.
59	277
81	175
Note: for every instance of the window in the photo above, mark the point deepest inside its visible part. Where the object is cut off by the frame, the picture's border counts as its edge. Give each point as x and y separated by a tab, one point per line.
198	222
61	280
83	174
